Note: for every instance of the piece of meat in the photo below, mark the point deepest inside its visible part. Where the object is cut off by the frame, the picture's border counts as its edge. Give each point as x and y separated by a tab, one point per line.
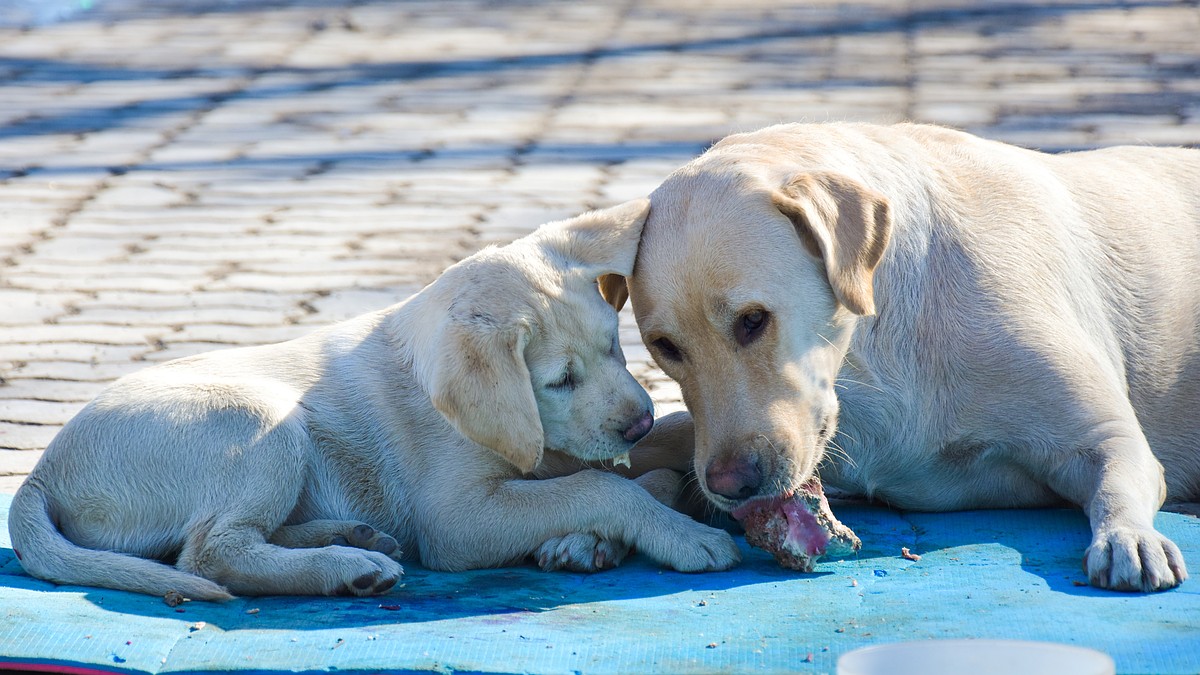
798	529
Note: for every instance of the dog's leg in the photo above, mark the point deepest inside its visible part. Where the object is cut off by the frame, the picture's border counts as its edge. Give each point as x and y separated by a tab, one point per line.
585	552
514	519
230	546
239	557
665	485
671	446
581	552
319	533
1185	508
1120	485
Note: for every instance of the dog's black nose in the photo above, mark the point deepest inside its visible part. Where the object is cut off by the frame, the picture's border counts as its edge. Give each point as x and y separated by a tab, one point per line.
736	477
639	428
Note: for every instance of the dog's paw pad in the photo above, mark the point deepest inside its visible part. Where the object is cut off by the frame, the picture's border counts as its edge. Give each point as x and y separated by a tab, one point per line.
386	545
367	573
366	581
384	585
580	552
369	539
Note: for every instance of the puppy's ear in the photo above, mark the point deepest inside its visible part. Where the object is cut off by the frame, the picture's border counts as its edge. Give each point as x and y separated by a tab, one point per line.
603	242
479	381
846	225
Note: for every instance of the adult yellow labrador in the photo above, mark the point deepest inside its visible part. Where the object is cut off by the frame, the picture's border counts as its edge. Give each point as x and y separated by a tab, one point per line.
450	428
939	322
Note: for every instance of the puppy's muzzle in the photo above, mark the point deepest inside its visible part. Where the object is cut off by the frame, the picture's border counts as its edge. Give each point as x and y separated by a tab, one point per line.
639	428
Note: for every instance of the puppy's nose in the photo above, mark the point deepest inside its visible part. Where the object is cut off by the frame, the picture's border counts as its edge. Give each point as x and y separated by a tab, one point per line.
639	428
737	477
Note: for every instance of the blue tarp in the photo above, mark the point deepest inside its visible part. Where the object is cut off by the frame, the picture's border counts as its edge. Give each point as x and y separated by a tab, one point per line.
982	574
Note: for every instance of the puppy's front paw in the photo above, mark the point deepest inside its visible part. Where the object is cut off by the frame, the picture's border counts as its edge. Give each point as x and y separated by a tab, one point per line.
580	552
365	573
692	547
1134	559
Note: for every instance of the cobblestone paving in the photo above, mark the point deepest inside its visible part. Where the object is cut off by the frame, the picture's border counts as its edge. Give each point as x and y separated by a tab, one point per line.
181	176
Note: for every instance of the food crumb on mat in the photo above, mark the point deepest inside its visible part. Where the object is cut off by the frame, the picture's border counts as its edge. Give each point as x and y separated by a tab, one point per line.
908	555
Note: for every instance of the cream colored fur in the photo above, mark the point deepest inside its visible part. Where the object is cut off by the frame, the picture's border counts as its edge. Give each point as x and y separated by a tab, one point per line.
444	429
950	323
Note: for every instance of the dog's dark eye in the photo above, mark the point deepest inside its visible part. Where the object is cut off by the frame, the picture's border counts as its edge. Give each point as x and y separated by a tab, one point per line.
667	349
566	382
750	326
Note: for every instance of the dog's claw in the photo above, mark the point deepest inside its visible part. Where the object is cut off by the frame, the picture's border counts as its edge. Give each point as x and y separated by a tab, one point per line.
1136	560
581	552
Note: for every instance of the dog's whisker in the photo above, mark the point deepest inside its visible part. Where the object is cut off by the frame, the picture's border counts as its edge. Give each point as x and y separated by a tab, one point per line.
860	383
838	451
839	432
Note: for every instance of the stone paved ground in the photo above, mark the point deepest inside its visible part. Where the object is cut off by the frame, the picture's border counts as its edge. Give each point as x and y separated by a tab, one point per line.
178	176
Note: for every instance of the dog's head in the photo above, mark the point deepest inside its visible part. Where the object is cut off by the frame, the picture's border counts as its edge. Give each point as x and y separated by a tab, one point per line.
520	351
748	282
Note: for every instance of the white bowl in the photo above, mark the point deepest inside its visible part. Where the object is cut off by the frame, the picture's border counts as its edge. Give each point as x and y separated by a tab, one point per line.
975	657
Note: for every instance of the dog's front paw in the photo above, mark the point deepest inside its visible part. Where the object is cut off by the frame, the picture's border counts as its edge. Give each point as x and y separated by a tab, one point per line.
1134	559
365	573
692	547
580	552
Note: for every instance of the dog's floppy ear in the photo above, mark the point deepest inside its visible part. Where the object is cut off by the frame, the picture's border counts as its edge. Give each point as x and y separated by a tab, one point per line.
604	242
846	225
614	290
478	380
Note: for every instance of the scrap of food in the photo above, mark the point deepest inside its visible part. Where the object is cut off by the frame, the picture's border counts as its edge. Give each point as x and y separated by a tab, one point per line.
798	530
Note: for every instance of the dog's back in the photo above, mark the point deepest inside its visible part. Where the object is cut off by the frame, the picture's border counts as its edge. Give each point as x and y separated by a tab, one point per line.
1148	233
1115	234
1105	243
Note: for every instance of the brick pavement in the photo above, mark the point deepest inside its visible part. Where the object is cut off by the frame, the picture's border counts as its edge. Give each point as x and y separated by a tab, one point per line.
178	176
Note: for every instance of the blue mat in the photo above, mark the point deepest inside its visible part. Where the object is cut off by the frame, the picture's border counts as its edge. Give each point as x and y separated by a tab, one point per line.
982	574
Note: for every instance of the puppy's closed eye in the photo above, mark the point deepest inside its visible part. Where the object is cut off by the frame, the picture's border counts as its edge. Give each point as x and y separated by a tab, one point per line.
565	383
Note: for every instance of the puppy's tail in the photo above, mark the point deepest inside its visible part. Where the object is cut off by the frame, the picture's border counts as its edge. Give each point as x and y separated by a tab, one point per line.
46	554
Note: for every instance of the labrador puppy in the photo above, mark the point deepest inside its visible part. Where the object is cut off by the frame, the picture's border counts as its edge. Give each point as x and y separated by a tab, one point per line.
936	321
453	427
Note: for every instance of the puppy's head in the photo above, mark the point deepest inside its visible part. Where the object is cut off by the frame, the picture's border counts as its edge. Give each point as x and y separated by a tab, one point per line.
748	282
524	354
